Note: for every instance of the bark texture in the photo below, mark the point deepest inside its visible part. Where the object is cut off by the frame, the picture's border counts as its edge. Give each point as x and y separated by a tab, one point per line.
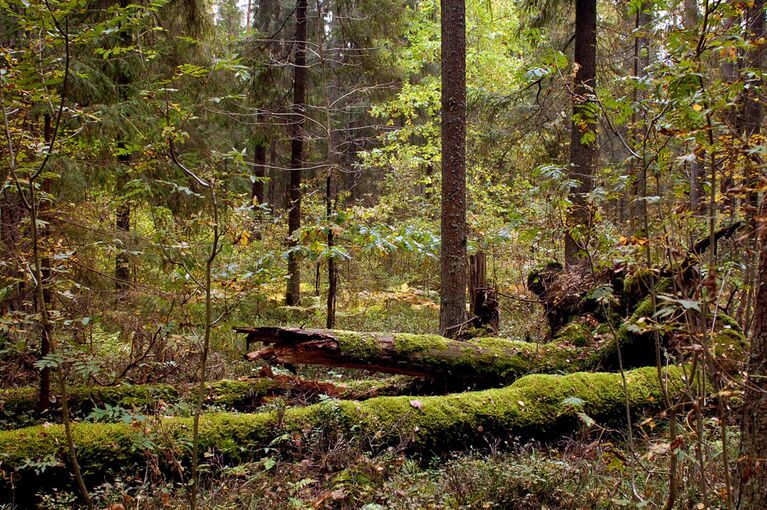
583	146
453	277
293	293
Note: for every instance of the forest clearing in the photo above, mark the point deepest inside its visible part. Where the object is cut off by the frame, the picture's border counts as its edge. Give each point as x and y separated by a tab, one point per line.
383	254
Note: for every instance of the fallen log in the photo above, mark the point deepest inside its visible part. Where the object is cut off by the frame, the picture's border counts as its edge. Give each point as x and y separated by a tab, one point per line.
479	361
536	406
18	406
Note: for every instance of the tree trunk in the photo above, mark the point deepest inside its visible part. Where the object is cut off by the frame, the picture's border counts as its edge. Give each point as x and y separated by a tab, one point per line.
753	458
697	167
483	303
330	322
641	61
452	293
123	212
243	395
752	103
583	147
537	406
293	293
754	427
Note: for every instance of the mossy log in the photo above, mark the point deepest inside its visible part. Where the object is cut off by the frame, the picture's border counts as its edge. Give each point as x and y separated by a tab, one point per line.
485	362
537	406
18	406
480	361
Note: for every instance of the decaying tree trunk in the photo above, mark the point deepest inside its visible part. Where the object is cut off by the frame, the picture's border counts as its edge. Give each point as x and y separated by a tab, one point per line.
565	295
481	362
539	406
483	302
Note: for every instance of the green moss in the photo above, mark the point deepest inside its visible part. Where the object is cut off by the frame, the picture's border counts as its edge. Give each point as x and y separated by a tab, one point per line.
358	345
574	333
405	343
19	405
728	344
238	394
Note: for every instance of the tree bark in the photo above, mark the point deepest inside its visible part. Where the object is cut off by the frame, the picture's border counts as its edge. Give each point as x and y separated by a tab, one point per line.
697	167
452	293
123	212
641	62
293	293
536	406
583	147
752	104
753	458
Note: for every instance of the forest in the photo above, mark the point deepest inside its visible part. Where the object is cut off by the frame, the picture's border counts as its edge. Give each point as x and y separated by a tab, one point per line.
383	254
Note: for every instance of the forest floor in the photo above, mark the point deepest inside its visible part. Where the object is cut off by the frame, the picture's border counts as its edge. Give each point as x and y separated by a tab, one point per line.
594	466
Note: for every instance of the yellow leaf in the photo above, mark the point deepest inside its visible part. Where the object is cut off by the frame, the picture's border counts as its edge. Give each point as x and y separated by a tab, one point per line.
244	238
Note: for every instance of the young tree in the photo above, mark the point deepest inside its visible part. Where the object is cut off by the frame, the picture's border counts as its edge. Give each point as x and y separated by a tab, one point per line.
583	148
452	309
293	294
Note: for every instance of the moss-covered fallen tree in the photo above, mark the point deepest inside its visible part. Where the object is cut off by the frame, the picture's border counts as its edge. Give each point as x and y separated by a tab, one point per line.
539	406
481	362
484	361
18	406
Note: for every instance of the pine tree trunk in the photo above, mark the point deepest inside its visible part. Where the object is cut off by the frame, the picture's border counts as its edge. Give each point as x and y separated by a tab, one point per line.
293	294
452	310
583	147
123	212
